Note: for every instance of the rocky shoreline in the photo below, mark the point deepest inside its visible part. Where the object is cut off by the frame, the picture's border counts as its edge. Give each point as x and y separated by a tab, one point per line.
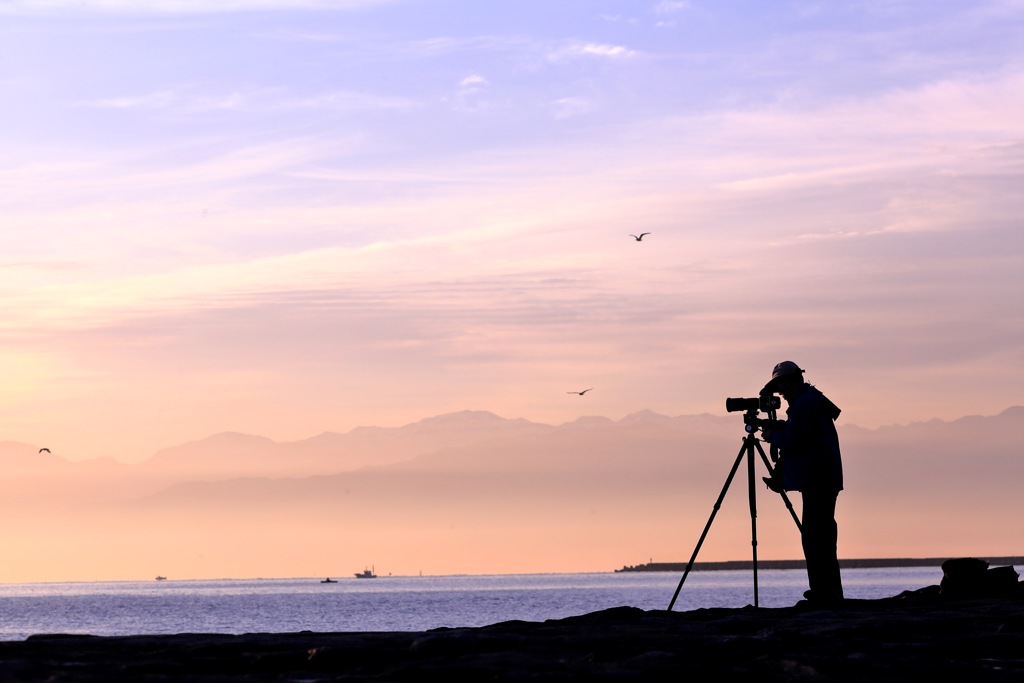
919	634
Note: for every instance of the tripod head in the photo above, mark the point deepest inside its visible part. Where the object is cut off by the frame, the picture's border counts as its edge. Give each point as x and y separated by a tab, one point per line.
767	402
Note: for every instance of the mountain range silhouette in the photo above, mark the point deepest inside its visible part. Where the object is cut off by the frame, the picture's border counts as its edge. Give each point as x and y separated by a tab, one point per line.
596	493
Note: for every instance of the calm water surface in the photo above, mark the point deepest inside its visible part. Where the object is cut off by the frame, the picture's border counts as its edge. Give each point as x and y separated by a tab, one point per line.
399	603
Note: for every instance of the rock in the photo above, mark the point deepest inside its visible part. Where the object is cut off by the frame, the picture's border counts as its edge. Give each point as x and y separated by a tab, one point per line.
970	577
916	635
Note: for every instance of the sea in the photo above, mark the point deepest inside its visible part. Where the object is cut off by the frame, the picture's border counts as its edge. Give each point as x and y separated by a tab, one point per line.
402	603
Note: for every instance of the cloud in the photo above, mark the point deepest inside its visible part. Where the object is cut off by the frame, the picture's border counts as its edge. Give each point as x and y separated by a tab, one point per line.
860	233
185	100
586	50
445	45
154	100
472	81
950	127
669	7
350	100
470	96
137	7
178	100
615	18
568	107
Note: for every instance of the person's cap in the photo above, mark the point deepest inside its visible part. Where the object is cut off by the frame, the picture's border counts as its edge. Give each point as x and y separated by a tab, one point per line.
783	369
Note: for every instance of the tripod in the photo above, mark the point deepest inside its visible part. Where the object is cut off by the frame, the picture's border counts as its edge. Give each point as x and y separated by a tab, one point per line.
750	444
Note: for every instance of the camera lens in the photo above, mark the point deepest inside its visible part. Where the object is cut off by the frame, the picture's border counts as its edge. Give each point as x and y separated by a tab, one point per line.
734	404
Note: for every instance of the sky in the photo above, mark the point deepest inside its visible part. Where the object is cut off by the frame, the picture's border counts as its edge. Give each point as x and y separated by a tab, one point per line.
285	217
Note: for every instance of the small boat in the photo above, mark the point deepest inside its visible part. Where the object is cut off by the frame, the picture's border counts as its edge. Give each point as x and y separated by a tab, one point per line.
366	574
328	580
161	578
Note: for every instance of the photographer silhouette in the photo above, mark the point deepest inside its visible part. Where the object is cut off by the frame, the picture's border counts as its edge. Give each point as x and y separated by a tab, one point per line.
809	462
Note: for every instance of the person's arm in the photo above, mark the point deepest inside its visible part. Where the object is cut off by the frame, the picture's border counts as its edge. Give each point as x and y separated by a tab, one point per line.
772	431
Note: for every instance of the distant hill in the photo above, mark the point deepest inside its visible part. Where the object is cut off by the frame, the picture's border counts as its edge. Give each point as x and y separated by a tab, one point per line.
229	455
472	492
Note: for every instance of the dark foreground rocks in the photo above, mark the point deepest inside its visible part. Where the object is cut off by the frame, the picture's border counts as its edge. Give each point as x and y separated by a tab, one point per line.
915	636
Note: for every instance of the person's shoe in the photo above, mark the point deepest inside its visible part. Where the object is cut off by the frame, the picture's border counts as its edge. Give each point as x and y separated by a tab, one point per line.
819	599
773	484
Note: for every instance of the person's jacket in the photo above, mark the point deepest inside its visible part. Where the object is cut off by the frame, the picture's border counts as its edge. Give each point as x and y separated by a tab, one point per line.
808	444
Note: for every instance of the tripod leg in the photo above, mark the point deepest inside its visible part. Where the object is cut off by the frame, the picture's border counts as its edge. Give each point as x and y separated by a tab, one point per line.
752	495
785	498
707	527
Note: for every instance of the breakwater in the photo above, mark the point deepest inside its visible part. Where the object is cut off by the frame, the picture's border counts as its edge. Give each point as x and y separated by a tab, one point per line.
849	563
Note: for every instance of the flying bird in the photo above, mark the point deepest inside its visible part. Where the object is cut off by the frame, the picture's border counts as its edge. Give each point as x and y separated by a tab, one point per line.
44	449
579	393
640	236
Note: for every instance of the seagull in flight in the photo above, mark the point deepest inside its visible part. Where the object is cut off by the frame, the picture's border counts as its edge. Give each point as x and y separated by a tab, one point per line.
44	449
640	236
579	393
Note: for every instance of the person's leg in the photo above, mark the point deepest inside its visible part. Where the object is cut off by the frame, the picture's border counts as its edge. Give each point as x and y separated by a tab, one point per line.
819	537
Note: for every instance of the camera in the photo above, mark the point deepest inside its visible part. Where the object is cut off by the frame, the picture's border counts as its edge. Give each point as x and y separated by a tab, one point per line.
765	402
